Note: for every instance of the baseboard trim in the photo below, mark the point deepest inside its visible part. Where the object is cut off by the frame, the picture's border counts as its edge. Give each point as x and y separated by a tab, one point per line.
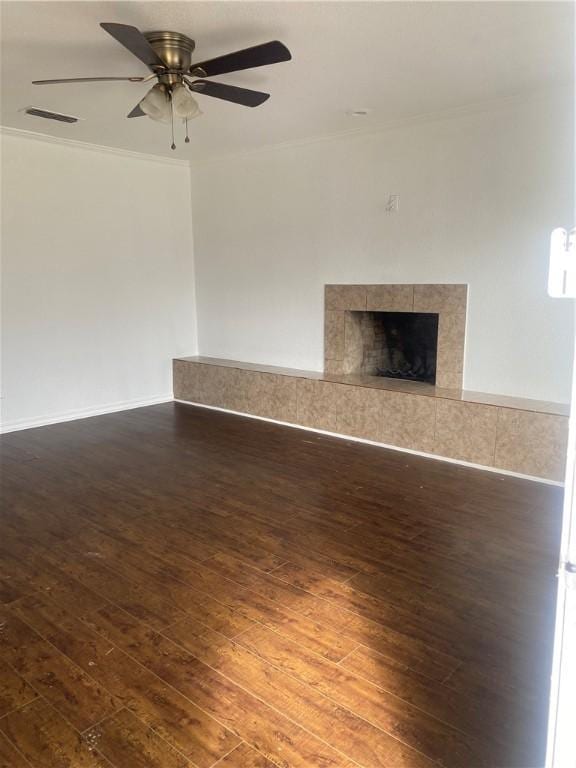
434	456
85	413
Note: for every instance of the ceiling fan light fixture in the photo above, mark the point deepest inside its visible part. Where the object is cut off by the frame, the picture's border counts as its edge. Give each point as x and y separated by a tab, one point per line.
156	104
168	57
184	104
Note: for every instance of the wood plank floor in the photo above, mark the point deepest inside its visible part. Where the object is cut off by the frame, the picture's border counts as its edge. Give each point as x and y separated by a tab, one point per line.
185	588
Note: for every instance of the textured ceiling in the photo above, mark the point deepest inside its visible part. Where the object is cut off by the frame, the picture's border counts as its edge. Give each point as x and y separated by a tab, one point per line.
398	59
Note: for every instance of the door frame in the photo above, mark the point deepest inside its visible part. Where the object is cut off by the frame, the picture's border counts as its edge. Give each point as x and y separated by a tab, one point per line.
561	749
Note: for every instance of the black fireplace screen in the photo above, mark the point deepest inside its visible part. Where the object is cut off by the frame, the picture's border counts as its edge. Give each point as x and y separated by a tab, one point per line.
410	341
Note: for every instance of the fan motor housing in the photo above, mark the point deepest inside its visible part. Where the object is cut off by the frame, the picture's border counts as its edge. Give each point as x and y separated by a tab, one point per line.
175	50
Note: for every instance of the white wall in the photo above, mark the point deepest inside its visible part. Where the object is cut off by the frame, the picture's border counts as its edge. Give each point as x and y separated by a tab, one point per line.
479	194
98	283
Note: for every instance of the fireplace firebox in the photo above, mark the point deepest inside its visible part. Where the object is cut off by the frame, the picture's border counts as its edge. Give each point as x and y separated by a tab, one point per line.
398	345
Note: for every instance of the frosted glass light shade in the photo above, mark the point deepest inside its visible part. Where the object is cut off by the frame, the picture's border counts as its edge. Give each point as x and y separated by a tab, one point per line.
183	103
156	104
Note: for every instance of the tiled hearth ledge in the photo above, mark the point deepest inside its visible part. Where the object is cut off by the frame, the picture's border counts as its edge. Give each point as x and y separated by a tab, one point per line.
517	435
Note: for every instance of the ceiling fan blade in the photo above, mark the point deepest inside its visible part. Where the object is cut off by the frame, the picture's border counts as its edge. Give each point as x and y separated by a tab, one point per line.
134	40
136	112
90	80
242	96
257	56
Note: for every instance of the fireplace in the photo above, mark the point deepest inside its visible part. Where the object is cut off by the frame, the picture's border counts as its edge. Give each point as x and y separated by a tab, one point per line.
404	331
400	345
397	345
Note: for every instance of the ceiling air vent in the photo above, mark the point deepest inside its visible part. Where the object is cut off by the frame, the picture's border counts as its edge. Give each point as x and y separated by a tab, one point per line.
37	112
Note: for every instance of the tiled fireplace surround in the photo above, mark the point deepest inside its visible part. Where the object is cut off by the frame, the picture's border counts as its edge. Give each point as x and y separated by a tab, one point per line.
513	434
342	328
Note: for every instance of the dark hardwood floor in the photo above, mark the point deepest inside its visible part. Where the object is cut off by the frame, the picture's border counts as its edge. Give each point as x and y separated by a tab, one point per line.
182	587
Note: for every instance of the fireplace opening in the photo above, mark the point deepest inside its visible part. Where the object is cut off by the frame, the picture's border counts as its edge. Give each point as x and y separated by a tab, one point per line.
397	345
410	340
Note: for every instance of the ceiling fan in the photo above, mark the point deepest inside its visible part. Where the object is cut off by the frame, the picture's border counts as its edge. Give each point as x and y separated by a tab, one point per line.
168	56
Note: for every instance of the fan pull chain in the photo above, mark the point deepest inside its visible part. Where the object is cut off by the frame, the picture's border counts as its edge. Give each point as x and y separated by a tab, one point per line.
172	121
187	139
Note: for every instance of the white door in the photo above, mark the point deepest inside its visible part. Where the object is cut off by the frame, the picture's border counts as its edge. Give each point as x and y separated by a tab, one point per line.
561	751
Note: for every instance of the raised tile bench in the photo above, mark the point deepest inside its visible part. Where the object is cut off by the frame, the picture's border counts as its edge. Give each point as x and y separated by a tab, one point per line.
513	434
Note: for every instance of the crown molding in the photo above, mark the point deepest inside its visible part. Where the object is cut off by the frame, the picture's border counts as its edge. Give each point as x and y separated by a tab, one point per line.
74	143
454	113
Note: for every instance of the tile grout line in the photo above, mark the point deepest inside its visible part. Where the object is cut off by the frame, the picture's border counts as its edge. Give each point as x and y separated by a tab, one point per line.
112	714
26	703
262	574
40	695
286	562
348	579
221	674
162	680
295	722
291	610
452	672
66	720
154	730
103	719
221	759
15	748
232	581
72	662
124	653
273	628
498	412
343	659
356	674
207	594
336	663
